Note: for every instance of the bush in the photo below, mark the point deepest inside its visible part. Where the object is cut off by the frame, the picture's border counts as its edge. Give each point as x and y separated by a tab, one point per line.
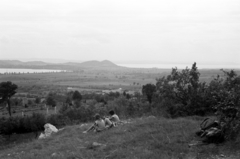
37	122
21	125
226	100
8	126
77	114
58	120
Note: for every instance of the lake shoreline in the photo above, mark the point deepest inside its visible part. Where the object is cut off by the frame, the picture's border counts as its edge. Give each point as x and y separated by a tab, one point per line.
27	70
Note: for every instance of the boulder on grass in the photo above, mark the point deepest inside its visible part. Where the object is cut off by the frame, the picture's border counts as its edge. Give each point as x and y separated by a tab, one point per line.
49	129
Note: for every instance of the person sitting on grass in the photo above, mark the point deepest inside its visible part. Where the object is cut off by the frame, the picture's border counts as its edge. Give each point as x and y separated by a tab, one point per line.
108	122
114	118
98	126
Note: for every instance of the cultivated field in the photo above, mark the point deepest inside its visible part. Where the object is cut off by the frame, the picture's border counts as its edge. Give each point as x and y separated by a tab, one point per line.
90	79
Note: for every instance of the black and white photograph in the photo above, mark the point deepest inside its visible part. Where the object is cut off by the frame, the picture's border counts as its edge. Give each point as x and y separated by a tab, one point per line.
114	79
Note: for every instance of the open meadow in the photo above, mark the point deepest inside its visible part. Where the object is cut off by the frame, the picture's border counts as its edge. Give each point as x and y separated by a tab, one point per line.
95	79
146	137
88	79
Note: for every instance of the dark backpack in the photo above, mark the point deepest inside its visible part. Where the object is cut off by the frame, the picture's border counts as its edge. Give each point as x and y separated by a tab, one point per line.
210	131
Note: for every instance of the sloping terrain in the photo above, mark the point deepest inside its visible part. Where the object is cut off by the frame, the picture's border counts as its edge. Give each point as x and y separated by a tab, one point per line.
148	137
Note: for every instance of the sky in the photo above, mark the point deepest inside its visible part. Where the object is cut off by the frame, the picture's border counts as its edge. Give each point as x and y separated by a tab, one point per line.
122	31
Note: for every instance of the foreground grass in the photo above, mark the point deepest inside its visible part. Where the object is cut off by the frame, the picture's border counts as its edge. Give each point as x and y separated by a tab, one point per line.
148	137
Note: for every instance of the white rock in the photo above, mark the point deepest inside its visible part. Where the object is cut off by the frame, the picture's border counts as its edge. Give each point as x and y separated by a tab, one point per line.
49	129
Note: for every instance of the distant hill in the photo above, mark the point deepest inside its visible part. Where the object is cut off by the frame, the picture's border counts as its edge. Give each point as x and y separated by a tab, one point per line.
17	62
44	65
94	63
36	63
10	62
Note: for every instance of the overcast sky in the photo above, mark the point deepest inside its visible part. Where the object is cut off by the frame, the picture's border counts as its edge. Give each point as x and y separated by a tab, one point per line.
168	31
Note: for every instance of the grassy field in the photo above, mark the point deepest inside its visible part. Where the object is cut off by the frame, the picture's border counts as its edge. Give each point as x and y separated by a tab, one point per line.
20	111
82	80
147	137
131	79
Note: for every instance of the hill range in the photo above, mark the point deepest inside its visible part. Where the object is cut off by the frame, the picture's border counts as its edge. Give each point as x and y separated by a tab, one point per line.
68	65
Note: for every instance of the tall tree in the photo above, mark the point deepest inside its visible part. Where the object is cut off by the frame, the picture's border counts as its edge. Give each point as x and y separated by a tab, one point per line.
149	90
51	100
184	88
76	96
7	90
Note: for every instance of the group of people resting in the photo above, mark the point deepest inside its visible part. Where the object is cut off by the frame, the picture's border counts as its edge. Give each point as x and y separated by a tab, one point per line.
103	123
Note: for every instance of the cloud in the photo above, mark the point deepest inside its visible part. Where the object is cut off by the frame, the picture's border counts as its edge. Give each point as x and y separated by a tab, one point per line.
4	40
138	30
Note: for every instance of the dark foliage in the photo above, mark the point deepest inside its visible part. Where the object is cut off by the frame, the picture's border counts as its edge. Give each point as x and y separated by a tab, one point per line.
21	125
51	100
184	89
7	90
33	123
76	96
58	120
149	90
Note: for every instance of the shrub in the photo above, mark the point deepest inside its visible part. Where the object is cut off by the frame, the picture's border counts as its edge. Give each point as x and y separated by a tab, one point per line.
21	125
226	100
58	120
8	126
37	122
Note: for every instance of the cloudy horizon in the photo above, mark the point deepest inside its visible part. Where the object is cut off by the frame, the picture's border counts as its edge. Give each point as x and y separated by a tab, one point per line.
206	32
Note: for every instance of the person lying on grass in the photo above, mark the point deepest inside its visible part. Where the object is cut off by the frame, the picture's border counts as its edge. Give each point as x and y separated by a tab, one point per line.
98	126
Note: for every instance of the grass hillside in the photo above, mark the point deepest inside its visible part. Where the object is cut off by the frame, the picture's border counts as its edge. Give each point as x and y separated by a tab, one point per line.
148	137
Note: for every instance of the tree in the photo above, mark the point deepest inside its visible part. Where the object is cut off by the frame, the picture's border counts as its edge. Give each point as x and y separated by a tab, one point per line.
149	90
37	100
68	97
68	100
7	90
76	96
185	91
50	100
225	98
30	102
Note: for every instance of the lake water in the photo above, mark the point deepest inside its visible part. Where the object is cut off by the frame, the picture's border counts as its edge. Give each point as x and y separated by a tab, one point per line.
14	70
180	66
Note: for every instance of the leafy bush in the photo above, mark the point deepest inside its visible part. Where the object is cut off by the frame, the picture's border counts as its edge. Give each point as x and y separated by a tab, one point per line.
37	122
77	113
8	126
184	89
21	125
181	94
226	101
58	120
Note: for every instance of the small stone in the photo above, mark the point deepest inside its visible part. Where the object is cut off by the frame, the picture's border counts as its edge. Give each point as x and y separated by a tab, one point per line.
54	154
151	117
97	145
